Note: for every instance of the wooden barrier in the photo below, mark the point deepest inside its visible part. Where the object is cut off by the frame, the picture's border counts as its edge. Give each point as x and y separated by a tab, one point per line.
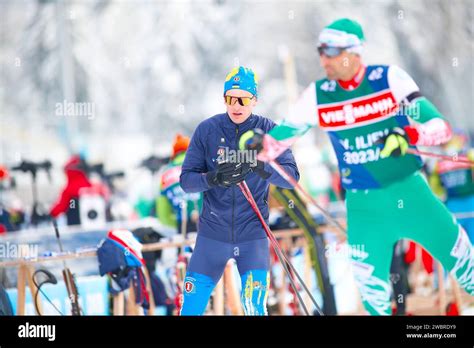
226	289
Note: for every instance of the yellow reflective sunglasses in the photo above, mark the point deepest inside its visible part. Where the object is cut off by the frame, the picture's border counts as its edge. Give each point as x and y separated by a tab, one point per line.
244	101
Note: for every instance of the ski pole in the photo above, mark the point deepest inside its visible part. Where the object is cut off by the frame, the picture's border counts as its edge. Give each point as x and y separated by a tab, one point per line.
71	286
184	223
182	262
279	169
256	141
276	247
281	255
460	159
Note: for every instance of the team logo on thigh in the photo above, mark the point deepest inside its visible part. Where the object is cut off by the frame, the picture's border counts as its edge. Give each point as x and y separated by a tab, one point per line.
189	285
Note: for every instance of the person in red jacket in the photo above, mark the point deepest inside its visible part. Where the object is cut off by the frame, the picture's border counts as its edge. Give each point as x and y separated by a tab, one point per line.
68	201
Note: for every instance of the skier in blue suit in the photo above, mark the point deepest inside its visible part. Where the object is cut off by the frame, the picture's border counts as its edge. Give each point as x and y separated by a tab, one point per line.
228	227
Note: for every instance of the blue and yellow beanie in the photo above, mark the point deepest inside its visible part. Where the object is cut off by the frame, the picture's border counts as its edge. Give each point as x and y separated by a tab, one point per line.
241	78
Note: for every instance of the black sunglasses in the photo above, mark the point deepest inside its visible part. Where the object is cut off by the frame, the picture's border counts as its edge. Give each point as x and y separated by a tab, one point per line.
331	51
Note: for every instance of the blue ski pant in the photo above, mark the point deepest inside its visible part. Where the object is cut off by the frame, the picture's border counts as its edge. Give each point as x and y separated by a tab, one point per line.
207	265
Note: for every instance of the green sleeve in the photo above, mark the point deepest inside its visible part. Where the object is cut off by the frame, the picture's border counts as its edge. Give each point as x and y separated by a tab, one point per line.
422	110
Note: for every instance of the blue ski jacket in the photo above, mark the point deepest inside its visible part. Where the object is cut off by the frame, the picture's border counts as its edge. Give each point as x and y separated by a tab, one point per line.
226	214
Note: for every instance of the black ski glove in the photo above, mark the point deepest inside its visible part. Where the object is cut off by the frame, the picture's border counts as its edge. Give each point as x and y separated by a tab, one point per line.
228	174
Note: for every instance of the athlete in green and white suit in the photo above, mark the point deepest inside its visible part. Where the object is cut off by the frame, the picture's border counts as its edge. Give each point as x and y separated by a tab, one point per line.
372	114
